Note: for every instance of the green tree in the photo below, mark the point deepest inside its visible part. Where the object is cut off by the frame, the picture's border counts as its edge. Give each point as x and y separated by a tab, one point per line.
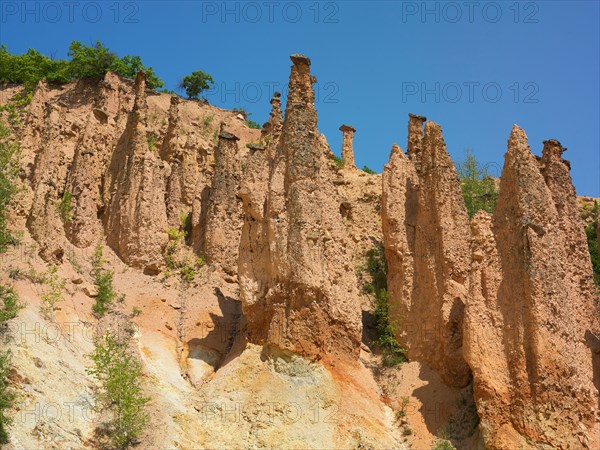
479	190
195	83
92	61
119	373
31	67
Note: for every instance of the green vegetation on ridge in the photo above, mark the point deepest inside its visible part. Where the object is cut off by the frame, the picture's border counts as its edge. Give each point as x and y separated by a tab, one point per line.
85	61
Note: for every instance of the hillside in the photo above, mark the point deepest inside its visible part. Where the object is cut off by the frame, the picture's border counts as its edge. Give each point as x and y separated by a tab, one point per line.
275	297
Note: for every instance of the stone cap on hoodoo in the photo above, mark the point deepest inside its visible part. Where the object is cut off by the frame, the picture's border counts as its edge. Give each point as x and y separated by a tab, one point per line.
347	128
228	136
416	116
298	59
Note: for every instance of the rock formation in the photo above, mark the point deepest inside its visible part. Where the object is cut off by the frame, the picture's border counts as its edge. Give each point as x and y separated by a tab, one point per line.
415	136
347	147
531	308
223	219
136	219
306	301
91	158
425	226
253	194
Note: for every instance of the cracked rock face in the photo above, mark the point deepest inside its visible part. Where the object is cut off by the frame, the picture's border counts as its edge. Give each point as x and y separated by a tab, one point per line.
426	232
531	309
224	217
301	294
136	218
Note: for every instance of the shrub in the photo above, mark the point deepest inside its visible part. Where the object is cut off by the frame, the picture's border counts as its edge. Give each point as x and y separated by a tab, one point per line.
6	397
10	307
369	171
9	171
152	139
443	444
253	124
54	294
65	207
195	83
376	268
119	374
179	258
103	279
592	240
479	190
10	304
249	122
338	162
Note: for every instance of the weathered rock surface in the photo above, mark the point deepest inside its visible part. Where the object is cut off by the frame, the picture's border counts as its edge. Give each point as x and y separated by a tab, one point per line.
136	218
92	156
307	301
531	310
224	216
425	225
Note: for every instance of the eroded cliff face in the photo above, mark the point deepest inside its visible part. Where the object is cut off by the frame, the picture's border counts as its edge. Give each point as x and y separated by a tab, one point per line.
307	302
110	161
426	234
531	308
506	301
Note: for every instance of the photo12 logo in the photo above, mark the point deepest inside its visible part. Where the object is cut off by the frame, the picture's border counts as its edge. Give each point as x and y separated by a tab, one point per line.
270	12
470	12
69	12
469	92
261	92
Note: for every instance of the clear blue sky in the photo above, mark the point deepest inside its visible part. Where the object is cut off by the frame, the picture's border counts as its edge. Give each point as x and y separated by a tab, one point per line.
535	64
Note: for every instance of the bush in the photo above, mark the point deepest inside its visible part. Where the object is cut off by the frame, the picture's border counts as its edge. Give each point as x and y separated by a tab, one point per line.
376	268
179	258
10	304
369	171
65	207
479	190
54	294
338	162
152	140
10	307
592	240
6	397
195	83
249	122
120	393
443	444
103	279
9	172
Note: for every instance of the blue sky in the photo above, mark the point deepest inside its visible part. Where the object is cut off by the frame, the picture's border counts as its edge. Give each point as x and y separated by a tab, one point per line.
476	70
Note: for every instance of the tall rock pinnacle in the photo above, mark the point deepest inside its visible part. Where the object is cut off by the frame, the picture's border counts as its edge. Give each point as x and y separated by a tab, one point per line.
136	220
531	312
300	293
425	225
347	147
223	219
